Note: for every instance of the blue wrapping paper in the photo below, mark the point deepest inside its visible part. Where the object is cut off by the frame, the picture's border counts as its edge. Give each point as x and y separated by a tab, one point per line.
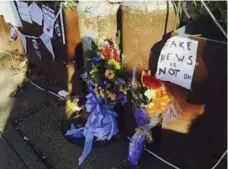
138	140
101	123
136	148
142	117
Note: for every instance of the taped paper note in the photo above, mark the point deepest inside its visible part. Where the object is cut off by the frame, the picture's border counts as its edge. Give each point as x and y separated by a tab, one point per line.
177	61
23	10
63	93
9	11
23	42
36	13
49	19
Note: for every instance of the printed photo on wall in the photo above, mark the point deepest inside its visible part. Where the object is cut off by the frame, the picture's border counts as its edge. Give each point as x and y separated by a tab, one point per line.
35	45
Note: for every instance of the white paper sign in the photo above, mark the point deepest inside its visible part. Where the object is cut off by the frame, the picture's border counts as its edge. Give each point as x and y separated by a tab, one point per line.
47	42
23	42
177	61
49	19
23	10
36	13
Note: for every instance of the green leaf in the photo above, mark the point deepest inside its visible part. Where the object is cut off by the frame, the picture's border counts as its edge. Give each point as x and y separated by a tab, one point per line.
108	85
123	90
93	71
94	46
114	63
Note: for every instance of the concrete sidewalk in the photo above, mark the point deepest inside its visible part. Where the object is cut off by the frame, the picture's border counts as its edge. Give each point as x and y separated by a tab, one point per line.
14	153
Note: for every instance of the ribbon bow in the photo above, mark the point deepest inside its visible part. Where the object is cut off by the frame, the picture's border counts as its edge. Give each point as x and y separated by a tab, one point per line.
101	123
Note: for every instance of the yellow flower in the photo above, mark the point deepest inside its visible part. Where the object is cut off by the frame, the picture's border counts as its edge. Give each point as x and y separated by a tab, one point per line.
112	96
153	111
109	74
72	106
158	104
96	92
102	93
115	63
150	105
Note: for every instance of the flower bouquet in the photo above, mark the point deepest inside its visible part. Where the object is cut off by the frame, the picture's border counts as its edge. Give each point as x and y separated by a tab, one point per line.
106	88
152	105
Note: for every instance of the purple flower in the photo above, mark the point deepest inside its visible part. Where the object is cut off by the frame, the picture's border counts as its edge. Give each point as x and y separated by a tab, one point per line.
142	117
92	65
103	83
136	148
91	81
122	98
84	75
96	59
119	81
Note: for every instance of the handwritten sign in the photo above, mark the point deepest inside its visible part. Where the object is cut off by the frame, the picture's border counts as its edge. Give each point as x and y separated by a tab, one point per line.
177	61
49	19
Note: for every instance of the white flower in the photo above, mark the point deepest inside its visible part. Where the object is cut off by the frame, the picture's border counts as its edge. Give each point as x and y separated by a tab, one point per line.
149	93
87	44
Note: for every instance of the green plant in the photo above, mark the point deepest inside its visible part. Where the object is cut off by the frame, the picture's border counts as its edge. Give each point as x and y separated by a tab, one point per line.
194	9
70	3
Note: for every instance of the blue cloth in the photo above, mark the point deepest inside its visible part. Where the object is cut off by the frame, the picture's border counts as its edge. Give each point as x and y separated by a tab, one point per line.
101	124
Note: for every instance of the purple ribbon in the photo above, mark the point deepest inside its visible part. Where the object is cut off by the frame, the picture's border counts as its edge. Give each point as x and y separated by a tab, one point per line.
73	132
101	124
